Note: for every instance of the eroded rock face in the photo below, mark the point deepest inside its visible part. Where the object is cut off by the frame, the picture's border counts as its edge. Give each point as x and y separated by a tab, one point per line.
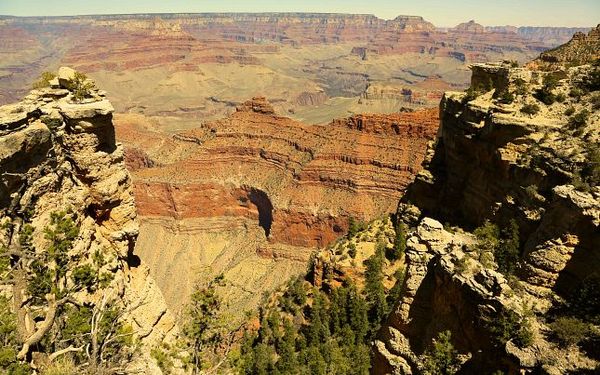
258	188
493	162
60	155
581	49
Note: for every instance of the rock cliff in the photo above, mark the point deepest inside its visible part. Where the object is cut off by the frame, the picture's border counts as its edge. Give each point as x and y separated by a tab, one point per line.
259	188
58	156
510	155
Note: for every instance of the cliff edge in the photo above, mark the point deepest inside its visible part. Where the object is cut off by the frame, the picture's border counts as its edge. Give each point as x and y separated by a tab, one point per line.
504	220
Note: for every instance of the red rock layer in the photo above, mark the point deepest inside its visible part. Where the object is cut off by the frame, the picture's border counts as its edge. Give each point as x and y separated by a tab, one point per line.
308	179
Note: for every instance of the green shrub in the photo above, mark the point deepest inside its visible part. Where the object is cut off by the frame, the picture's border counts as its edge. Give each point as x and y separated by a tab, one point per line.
520	87
530	109
352	250
579	120
163	358
44	80
595	101
471	94
480	88
85	277
80	86
441	357
545	94
509	325
576	93
462	264
586	299
507	97
592	81
507	253
399	242
569	111
51	123
569	331
355	226
560	97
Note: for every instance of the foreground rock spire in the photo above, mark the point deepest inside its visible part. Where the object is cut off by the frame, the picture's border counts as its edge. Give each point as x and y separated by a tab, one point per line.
68	216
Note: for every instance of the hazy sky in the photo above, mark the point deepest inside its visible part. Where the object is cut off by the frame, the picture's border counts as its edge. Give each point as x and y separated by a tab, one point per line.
440	12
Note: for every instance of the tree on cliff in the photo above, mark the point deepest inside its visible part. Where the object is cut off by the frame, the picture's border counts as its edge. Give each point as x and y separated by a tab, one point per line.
374	289
44	284
203	330
441	358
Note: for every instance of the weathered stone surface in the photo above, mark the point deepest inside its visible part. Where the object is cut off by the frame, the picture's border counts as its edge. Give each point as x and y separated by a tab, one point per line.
65	76
493	163
76	111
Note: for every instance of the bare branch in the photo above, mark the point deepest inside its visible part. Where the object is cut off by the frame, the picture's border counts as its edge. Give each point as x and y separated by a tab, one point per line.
70	349
44	327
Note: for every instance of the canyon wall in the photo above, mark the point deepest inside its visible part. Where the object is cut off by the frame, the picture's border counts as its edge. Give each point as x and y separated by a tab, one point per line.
495	163
192	65
256	189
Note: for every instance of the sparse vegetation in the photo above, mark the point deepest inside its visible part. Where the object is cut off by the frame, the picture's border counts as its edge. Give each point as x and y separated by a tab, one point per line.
508	325
355	226
569	331
203	330
545	93
50	279
498	247
80	86
507	254
506	98
374	289
399	242
569	111
480	88
352	250
520	87
44	80
579	120
595	101
530	109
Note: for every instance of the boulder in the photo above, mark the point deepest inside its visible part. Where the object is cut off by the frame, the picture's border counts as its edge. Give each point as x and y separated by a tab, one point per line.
65	76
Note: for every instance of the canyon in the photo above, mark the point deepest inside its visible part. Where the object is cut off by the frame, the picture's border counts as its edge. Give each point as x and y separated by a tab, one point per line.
253	194
313	67
252	146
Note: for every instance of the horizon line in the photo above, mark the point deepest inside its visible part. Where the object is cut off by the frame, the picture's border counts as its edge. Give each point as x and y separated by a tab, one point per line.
276	13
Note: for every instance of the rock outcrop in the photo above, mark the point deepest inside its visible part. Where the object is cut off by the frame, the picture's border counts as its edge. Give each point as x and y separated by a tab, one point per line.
581	49
497	161
258	188
59	154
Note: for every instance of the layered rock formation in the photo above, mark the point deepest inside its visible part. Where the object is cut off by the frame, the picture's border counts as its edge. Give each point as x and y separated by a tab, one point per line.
202	65
581	49
495	162
59	154
258	187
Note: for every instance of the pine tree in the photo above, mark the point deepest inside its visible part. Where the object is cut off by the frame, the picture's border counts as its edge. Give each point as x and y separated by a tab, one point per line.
202	313
507	253
374	289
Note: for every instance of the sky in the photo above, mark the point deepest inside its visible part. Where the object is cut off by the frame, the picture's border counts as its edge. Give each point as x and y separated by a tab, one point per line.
442	13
